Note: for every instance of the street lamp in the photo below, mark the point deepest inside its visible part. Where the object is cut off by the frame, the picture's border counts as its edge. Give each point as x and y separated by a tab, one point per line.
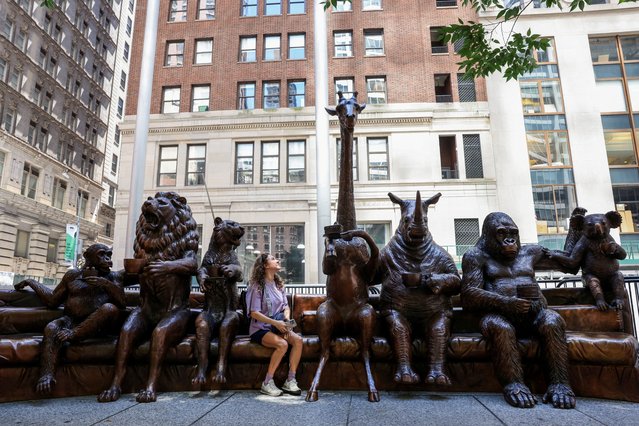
66	175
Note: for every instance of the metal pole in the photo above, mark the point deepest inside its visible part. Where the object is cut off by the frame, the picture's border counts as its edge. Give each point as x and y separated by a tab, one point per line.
321	131
136	190
77	229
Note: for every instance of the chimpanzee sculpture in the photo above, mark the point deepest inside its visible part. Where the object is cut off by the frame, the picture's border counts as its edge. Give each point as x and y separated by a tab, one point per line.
166	236
218	277
92	296
598	255
499	281
418	279
347	263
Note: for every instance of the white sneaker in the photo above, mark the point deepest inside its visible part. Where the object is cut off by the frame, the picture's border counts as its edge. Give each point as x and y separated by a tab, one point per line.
270	389
290	387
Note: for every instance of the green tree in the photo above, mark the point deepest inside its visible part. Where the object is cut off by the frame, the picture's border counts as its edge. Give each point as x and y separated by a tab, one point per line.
482	52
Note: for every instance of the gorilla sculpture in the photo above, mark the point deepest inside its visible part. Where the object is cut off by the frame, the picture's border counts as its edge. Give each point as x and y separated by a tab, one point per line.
93	297
167	239
499	282
218	277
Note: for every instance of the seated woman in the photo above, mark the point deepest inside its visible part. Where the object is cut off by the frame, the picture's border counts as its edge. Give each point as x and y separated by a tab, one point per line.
270	315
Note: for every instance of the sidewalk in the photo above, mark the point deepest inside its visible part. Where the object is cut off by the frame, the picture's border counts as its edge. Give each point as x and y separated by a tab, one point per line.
333	408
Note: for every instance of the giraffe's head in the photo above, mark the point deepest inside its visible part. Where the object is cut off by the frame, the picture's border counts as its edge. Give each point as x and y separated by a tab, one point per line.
347	111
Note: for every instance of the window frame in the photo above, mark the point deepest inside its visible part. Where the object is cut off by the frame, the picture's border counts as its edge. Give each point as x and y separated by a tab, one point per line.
293	49
162	159
276	177
238	172
178	56
197	52
374	51
290	156
175	14
296	95
266	97
368	157
371	79
344	34
195	100
241	100
192	159
165	91
244	55
203	10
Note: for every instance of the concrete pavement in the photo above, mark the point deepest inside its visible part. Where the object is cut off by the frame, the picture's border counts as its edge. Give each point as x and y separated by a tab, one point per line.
333	408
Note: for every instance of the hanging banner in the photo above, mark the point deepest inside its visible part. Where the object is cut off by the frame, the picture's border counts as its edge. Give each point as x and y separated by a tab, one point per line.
71	242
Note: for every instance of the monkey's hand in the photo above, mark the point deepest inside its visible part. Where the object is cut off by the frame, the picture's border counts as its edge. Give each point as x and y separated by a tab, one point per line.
520	306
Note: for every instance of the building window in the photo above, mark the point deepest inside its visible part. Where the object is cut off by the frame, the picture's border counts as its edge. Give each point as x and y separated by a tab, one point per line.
3	69
343	6
378	159
203	51
177	10
296	163
472	157
83	202
374	42
52	250
448	157
272	7
30	177
167	175
120	107
249	8
355	158
248	49
174	54
125	52
446	3
22	39
371	4
116	136
114	164
200	98
244	162
437	45
272	48
129	25
344	85
205	10
271	95
111	196
123	80
270	162
376	89
59	191
343	41
296	93
443	90
22	244
2	160
108	230
170	100
195	165
296	7
466	88
9	121
466	234
131	5
7	28
296	46
246	96
15	78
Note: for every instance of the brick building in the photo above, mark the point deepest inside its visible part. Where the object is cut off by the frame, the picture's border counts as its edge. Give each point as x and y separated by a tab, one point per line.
232	111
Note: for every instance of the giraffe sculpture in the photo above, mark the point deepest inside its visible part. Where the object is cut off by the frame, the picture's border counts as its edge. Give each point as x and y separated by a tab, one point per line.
347	263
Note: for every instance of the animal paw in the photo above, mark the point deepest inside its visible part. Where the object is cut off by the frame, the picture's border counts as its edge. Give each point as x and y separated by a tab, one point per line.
146	396
311	396
405	374
518	395
436	377
617	304
373	396
560	395
65	335
199	379
110	395
45	384
602	305
219	377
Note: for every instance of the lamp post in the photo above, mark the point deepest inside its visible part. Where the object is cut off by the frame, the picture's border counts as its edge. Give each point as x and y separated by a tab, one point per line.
66	175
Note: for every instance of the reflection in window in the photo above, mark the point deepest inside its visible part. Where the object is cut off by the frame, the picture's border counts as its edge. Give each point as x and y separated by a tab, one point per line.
167	174
296	93
296	46
378	159
246	96
170	100
195	164
270	162
296	164
244	162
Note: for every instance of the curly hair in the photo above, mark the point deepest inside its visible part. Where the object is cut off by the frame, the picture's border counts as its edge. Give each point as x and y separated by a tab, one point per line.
176	236
257	273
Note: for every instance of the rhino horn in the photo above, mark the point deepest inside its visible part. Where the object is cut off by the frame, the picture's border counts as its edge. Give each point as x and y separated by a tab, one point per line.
418	215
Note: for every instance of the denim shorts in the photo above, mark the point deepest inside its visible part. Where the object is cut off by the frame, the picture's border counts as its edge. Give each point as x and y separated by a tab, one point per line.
259	334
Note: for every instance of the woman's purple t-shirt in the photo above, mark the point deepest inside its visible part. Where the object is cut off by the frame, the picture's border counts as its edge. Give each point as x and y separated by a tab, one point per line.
255	301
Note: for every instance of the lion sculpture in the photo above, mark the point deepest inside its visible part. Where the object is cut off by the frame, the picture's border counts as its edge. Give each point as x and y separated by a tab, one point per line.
166	236
218	277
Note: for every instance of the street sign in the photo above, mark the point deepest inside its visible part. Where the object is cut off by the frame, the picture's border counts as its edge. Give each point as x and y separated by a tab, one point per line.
71	242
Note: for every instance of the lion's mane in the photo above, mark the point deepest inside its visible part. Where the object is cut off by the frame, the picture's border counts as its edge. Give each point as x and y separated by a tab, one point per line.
173	238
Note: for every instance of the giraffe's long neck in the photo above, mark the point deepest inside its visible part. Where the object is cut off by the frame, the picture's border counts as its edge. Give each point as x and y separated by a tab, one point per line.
345	199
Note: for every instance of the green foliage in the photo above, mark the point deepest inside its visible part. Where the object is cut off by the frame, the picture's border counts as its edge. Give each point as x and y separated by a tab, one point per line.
47	3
